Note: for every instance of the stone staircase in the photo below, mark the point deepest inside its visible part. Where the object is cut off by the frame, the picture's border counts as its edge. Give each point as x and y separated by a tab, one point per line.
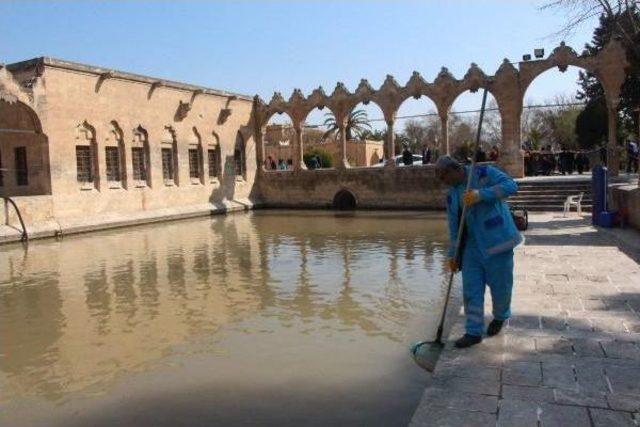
550	194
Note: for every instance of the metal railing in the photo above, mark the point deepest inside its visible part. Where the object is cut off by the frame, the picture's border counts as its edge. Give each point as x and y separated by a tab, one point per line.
25	236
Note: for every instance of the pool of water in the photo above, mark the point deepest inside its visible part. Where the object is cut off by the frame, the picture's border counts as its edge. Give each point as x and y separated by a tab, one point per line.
268	317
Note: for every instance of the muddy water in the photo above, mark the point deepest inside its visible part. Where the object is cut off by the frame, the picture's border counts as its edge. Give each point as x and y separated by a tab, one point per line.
264	318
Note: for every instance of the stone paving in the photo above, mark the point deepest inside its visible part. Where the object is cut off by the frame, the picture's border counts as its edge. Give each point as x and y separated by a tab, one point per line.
570	355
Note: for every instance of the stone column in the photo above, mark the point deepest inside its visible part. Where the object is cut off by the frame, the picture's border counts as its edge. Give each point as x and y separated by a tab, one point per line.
389	145
444	134
343	163
511	158
99	165
298	150
127	167
613	161
260	154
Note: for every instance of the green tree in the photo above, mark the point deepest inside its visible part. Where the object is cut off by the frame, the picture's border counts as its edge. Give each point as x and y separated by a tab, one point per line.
326	161
357	123
591	125
374	135
591	90
622	15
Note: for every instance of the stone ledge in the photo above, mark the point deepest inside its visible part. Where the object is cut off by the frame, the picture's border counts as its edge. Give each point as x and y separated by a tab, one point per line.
62	226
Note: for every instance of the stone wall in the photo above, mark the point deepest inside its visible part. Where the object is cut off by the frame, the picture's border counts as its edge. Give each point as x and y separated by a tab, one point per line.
414	187
77	104
34	210
627	199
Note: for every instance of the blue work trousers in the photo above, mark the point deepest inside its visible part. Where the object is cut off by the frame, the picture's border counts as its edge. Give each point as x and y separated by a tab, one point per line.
495	271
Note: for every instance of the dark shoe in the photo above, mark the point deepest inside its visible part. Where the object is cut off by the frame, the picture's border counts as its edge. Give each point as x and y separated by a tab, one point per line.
467	341
495	327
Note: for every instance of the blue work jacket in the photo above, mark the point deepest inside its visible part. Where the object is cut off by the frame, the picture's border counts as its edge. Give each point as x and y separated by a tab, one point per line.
489	220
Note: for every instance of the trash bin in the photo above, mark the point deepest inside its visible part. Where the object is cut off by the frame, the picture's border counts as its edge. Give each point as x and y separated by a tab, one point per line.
607	219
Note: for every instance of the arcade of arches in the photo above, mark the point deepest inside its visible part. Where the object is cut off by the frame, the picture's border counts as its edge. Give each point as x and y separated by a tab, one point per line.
507	86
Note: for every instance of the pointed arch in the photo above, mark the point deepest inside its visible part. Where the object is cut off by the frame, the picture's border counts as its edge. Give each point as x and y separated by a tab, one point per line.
140	158
213	158
240	157
87	165
196	166
169	153
23	148
115	156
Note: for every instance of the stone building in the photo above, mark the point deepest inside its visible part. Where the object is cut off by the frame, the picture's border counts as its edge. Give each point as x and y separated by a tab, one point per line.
279	140
84	146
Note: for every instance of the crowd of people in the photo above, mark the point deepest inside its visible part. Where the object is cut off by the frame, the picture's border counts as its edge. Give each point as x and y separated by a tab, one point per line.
493	156
548	161
428	155
315	162
281	164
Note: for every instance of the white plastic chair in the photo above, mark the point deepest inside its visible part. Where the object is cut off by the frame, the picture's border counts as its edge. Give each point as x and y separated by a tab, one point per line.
573	201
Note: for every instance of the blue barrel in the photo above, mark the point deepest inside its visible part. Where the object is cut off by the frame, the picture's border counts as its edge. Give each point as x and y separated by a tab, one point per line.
599	184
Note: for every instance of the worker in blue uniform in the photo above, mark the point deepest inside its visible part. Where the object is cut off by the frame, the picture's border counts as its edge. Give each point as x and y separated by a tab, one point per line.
490	235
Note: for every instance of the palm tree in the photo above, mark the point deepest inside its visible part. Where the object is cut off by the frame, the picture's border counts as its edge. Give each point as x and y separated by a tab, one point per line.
357	123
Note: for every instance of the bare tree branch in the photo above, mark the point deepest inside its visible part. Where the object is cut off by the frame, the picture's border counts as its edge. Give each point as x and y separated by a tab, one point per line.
579	12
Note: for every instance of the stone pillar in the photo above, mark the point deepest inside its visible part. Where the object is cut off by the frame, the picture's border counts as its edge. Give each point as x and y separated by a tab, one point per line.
99	165
511	158
613	161
343	163
127	167
444	134
389	145
260	154
298	150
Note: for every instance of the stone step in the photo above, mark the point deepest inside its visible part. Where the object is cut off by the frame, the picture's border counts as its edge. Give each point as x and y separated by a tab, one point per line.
554	196
544	192
559	187
550	208
530	205
550	195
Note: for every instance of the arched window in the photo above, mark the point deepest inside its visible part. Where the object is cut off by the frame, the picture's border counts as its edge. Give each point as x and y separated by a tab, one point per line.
213	158
114	155
86	157
24	150
169	151
239	157
279	142
196	167
140	158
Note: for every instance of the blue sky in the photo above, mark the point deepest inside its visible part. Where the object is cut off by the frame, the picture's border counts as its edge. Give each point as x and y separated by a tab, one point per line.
258	47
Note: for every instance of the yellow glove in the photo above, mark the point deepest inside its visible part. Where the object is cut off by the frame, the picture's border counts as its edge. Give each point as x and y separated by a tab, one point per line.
471	197
451	265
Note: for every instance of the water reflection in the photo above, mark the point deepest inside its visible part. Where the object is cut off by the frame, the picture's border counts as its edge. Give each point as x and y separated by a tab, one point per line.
82	312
